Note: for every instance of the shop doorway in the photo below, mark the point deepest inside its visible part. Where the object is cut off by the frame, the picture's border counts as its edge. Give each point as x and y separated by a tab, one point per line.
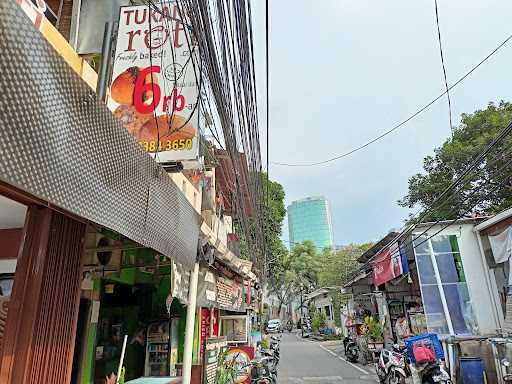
12	221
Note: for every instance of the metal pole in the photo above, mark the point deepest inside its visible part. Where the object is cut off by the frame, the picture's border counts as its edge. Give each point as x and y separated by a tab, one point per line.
440	289
122	359
301	313
106	49
189	325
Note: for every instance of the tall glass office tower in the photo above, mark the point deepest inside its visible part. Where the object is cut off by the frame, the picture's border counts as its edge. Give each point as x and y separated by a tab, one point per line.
310	219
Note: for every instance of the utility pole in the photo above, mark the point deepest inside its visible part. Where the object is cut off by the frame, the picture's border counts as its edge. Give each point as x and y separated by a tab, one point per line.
189	325
301	312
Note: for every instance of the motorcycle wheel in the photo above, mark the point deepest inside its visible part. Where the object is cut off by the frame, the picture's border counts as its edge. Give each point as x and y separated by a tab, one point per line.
395	378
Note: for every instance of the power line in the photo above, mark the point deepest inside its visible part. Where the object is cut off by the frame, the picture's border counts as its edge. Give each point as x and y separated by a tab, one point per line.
444	68
267	83
444	199
397	126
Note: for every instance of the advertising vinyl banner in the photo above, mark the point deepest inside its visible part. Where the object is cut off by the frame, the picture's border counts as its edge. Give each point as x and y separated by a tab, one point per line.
387	266
154	88
242	357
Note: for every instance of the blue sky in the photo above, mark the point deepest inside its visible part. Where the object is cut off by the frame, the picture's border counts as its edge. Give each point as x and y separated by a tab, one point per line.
344	71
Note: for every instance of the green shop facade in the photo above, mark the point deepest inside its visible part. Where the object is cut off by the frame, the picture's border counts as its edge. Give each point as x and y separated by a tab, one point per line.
134	292
131	291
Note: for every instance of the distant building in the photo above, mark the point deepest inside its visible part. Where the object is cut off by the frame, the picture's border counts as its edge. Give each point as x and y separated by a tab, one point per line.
310	219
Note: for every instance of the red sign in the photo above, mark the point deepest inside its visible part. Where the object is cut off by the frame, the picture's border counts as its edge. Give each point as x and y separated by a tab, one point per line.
387	266
205	330
215	319
209	327
242	356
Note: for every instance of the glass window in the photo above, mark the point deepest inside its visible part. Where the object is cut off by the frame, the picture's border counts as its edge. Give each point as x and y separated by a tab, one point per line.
234	328
436	318
425	269
447	269
443	243
450	284
461	311
421	245
6	286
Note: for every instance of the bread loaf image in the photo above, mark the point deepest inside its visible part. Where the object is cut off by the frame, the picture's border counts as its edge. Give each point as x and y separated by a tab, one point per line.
131	119
166	129
123	87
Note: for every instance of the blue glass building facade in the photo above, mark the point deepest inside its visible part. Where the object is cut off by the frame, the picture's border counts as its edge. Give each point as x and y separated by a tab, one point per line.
310	219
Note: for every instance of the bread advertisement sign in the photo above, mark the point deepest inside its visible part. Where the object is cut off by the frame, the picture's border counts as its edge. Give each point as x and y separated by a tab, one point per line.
155	81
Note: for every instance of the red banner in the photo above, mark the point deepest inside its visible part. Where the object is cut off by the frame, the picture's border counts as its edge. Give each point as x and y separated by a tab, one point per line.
242	357
205	330
387	266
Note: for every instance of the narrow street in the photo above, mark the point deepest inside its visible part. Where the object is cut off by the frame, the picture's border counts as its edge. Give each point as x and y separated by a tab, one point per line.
310	362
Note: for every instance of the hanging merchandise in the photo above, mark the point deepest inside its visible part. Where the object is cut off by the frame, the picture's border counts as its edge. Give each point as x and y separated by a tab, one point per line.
387	265
501	246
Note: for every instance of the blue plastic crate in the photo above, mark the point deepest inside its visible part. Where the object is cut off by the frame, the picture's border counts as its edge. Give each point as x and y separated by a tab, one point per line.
429	338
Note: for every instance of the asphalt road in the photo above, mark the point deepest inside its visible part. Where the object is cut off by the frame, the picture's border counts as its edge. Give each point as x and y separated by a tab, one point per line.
311	362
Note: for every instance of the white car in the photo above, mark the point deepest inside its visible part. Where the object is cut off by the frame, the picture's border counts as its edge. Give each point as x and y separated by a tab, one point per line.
274	326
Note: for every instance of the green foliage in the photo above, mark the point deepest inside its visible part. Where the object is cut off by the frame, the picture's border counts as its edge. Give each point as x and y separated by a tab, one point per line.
371	328
273	215
318	321
265	343
295	271
226	369
337	302
474	133
338	265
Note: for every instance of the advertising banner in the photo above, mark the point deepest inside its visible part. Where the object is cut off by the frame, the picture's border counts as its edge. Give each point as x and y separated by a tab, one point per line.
242	356
155	81
387	266
213	348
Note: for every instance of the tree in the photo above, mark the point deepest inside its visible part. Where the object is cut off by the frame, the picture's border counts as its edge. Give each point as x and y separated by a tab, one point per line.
338	265
273	214
295	271
481	194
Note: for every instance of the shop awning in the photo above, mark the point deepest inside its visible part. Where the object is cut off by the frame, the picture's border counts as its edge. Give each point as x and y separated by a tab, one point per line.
360	275
377	247
222	253
63	146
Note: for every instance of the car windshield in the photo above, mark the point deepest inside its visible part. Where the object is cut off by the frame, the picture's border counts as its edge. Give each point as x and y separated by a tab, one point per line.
274	322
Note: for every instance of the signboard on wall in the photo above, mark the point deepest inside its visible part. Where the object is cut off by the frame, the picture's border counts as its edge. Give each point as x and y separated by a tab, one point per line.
229	294
154	89
213	347
242	357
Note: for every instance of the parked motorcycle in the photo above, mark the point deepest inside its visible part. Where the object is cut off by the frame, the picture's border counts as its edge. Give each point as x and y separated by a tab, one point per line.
392	366
432	373
269	360
306	328
351	349
262	371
